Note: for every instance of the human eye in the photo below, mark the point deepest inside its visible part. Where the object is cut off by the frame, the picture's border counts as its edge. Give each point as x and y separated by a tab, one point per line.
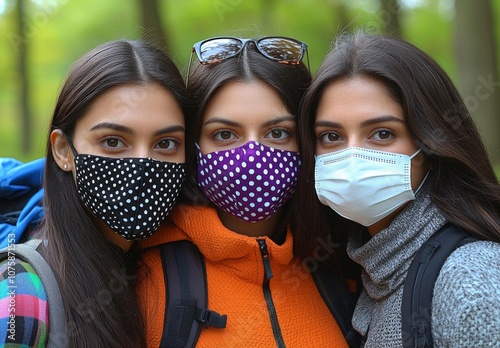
278	134
112	143
383	135
223	135
167	144
329	137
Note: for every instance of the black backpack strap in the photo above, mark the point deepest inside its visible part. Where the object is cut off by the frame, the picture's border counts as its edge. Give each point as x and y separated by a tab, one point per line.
418	289
186	290
340	300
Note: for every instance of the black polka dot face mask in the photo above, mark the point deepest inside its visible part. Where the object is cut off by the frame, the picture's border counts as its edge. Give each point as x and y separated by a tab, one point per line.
250	182
131	195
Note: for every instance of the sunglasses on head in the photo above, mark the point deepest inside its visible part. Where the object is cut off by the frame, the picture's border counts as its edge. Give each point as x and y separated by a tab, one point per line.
281	49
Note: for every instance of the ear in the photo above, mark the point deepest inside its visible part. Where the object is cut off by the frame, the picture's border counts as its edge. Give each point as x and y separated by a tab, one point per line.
61	151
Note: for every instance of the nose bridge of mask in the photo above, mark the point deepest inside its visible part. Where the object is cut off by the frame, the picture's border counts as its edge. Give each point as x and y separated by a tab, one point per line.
251	145
361	161
381	157
386	163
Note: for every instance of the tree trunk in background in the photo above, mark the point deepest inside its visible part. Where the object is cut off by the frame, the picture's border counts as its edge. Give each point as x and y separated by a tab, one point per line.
478	74
151	24
24	91
389	16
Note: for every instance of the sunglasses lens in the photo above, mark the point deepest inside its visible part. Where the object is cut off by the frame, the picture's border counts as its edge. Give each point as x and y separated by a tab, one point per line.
219	49
284	50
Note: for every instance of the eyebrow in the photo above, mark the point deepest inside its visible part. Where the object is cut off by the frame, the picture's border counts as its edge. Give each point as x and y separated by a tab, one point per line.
328	124
284	118
123	129
171	129
113	126
274	121
223	121
372	121
380	119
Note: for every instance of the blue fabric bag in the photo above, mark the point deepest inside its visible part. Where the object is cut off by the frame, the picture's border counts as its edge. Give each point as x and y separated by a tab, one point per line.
21	196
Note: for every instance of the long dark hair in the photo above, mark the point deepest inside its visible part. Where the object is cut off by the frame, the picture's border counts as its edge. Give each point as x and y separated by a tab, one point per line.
463	184
96	280
289	81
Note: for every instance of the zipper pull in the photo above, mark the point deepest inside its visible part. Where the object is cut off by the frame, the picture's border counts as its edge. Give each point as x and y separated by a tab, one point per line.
265	258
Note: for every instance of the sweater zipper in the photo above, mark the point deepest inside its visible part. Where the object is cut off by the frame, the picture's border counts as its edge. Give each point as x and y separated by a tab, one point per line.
268	274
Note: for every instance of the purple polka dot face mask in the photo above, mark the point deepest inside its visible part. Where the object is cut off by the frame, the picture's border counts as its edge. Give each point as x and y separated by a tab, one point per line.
250	182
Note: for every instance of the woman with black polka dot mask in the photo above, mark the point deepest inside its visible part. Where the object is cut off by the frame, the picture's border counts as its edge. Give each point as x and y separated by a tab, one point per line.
114	168
239	213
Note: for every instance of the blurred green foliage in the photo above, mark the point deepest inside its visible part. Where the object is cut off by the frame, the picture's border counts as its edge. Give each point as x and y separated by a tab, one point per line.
62	30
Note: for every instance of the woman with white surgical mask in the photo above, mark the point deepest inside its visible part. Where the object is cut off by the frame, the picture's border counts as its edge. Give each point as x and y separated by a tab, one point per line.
395	157
367	167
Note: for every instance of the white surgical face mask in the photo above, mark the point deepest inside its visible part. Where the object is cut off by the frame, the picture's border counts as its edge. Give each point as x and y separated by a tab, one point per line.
364	185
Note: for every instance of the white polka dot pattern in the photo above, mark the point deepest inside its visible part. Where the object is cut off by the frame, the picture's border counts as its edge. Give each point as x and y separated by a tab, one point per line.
250	182
131	195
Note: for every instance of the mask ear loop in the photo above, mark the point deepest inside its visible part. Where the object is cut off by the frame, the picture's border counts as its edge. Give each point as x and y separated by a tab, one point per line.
426	175
416	153
70	143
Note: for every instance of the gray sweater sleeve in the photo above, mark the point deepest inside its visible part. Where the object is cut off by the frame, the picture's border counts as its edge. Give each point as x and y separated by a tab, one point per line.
466	302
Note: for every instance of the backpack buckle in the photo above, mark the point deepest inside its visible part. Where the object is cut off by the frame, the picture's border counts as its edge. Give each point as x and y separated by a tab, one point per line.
211	318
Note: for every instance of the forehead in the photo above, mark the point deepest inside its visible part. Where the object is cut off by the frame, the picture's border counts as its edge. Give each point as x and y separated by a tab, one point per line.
247	102
357	98
135	106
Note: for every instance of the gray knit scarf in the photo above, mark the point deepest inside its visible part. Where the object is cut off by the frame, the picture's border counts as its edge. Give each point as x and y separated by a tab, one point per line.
385	259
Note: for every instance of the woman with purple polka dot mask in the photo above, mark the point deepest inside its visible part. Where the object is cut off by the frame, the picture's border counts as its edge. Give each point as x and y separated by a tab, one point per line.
243	170
248	165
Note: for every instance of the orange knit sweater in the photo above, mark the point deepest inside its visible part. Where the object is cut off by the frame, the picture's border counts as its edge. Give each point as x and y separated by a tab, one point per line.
235	274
